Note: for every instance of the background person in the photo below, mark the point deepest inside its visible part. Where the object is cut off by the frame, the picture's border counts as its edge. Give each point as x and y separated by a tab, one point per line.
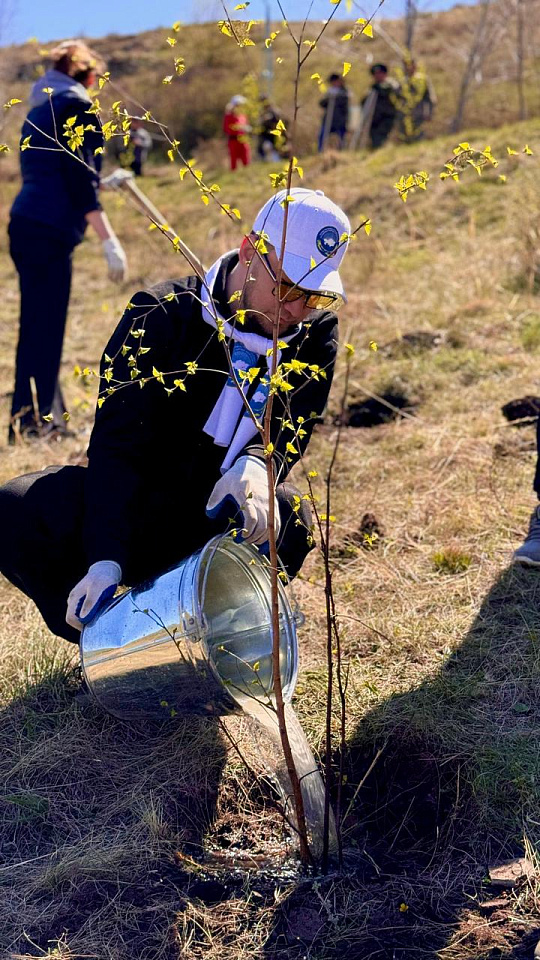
237	128
58	198
379	106
415	101
140	143
271	146
528	554
79	531
335	104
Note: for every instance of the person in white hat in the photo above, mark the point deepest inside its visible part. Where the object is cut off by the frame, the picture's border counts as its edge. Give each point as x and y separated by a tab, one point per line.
237	128
174	463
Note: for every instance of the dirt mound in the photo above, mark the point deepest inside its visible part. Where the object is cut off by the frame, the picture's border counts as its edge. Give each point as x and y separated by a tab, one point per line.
527	407
383	408
418	341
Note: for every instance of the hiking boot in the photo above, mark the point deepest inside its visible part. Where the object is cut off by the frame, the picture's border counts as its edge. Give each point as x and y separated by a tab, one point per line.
528	554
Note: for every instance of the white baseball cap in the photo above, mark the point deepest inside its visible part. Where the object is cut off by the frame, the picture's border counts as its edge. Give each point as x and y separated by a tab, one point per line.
315	232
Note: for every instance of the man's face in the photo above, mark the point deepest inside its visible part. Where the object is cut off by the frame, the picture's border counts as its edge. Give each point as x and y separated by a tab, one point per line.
261	301
259	297
379	76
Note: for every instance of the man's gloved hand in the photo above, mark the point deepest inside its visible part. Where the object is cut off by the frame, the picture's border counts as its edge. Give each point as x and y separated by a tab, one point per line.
116	179
245	488
116	259
92	591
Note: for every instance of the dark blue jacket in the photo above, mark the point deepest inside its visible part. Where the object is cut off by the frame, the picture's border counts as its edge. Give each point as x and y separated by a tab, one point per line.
58	189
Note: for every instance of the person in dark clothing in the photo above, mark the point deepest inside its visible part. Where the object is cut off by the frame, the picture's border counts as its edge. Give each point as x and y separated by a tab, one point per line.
379	107
140	145
271	146
173	453
61	145
335	104
528	554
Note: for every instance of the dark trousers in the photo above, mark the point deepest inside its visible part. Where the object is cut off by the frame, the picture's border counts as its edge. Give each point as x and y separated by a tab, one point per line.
340	133
42	545
536	483
380	131
42	256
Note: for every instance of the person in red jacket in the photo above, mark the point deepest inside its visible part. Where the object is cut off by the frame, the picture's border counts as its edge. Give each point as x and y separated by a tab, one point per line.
236	127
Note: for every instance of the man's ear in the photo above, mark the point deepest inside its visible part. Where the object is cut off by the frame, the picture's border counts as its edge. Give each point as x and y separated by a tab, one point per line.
245	254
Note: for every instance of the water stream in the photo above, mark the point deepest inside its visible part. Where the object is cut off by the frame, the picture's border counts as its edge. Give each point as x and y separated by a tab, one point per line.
311	782
240	648
198	639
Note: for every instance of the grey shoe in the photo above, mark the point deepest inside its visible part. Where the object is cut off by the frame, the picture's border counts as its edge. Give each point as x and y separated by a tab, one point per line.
528	554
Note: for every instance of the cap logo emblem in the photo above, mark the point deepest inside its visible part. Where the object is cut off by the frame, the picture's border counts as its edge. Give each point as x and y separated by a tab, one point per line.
327	241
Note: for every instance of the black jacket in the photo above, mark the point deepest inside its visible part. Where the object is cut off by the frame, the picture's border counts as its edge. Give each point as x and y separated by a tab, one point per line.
385	107
338	102
58	189
151	467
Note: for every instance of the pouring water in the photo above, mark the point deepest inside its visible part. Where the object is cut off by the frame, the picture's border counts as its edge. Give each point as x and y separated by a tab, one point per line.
198	639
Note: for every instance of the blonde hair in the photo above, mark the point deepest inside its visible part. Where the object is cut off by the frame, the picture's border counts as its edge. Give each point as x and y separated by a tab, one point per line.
75	56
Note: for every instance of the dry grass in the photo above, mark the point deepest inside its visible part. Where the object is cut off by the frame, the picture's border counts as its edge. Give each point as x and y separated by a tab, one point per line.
104	826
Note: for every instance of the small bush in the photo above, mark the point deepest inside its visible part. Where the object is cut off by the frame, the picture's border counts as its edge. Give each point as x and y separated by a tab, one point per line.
530	333
451	560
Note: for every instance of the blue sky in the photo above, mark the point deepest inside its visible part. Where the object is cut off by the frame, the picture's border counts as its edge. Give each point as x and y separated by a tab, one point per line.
54	19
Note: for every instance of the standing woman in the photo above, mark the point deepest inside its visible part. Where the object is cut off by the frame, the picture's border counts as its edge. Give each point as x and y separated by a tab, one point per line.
58	198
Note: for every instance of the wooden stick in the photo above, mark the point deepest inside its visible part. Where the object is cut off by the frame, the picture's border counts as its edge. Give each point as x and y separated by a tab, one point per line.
157	217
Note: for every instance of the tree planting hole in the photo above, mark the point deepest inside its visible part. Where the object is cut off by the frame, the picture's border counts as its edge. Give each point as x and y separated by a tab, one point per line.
522	408
418	341
374	411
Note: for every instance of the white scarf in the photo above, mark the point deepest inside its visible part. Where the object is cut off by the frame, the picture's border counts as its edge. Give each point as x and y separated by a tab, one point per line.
230	423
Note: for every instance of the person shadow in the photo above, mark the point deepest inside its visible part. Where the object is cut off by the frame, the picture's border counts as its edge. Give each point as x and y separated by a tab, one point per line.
101	821
450	774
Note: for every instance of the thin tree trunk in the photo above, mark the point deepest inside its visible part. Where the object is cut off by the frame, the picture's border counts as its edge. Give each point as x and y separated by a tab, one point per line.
474	60
411	13
361	135
328	118
520	50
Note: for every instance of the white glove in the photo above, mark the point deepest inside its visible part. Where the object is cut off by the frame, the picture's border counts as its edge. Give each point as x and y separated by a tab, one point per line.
245	487
116	259
116	178
92	592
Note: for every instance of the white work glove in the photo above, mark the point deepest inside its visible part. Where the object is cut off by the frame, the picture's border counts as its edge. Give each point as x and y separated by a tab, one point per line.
245	488
90	593
116	259
116	178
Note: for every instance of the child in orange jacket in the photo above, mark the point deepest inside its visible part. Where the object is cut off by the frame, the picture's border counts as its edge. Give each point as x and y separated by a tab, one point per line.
236	127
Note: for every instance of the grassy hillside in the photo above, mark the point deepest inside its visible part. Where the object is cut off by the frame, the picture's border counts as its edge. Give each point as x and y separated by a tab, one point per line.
124	843
216	68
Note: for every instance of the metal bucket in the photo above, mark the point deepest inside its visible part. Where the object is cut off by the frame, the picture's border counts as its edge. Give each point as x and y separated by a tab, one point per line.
195	640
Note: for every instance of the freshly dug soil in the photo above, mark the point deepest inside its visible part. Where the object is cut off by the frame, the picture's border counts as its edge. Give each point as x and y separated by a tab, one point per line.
521	408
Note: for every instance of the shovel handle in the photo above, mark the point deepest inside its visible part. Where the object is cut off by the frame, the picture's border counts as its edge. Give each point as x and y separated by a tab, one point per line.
149	208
